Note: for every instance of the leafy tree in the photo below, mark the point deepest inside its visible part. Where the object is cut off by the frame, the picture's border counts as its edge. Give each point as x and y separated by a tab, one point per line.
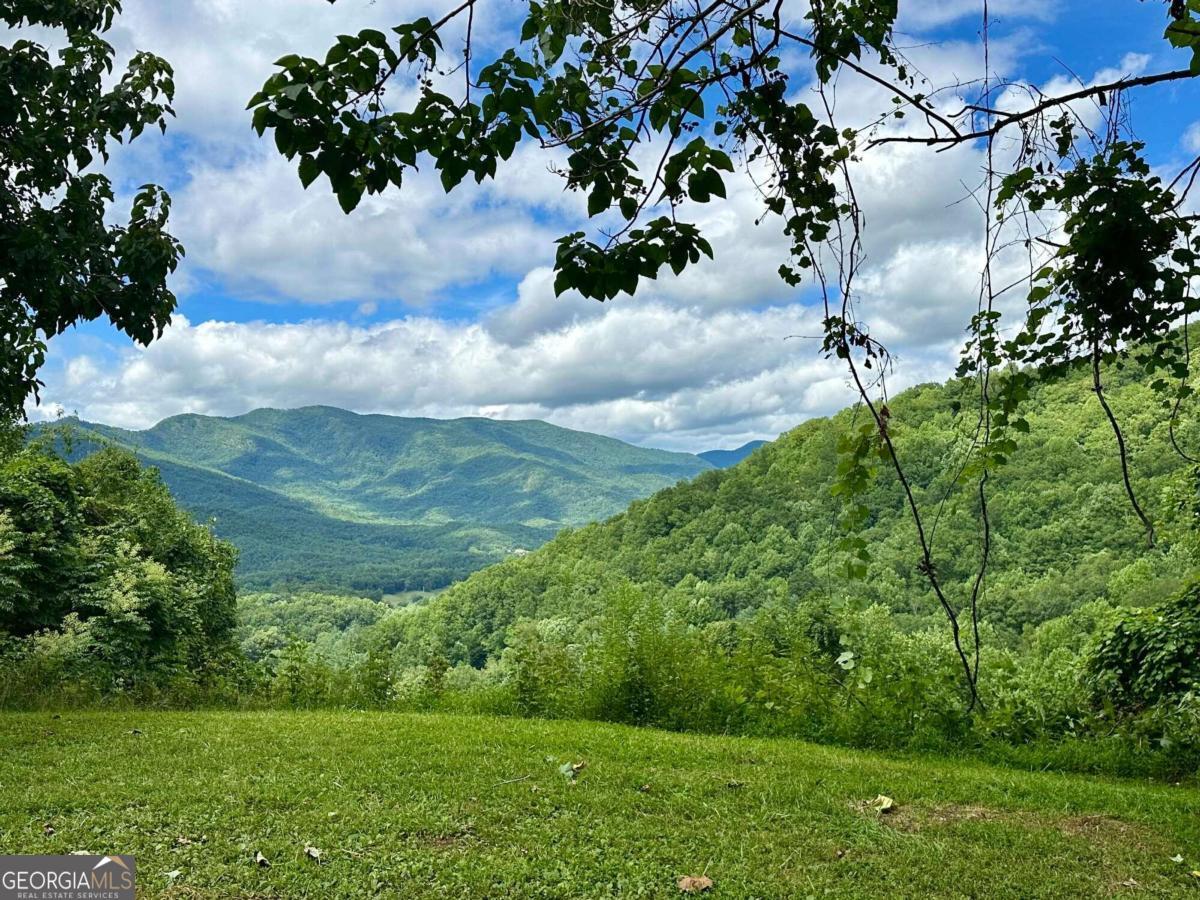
100	571
698	86
60	260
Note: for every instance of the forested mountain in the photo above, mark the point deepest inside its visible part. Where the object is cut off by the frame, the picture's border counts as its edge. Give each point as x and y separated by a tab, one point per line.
378	504
723	459
733	541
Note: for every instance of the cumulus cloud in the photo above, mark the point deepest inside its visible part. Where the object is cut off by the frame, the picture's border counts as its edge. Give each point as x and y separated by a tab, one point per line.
257	229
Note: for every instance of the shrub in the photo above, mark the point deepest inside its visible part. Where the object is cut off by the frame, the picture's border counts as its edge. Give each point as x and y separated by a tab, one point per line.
1149	655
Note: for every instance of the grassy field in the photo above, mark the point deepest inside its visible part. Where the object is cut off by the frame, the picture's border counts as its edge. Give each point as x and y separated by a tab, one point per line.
439	806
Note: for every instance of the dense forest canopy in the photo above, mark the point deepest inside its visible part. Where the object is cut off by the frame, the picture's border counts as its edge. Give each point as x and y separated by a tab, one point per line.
730	542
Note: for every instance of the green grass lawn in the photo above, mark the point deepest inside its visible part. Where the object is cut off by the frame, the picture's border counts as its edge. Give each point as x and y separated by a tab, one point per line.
440	806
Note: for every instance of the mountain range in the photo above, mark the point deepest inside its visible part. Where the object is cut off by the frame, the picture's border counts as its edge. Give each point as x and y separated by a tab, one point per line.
723	459
325	498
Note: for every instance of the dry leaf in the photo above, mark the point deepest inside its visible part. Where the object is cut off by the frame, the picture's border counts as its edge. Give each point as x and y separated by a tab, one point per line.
183	841
313	853
695	884
47	829
840	854
645	789
1195	873
883	804
1177	858
173	874
261	861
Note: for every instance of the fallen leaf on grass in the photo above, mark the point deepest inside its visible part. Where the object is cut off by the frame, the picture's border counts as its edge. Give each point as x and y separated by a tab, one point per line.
883	804
137	731
1177	858
261	861
695	884
183	841
173	874
1195	873
313	853
47	829
644	789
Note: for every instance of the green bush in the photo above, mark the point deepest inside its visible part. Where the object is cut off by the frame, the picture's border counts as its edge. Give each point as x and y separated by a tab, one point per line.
1150	655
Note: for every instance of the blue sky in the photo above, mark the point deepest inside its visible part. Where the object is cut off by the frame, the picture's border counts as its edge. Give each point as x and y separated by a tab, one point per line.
426	305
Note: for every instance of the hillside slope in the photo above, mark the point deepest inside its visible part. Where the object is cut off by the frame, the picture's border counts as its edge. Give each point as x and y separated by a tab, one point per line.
766	530
466	807
326	497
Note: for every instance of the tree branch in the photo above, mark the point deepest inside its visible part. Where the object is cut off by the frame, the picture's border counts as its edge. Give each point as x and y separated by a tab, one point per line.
1003	121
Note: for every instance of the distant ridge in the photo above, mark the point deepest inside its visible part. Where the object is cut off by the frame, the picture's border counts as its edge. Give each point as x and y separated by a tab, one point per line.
324	497
723	459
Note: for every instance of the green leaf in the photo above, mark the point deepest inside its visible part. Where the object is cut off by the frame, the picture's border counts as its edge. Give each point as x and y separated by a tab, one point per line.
309	171
349	197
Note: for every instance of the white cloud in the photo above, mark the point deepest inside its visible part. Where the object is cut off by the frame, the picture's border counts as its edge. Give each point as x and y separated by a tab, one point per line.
925	14
1191	138
223	50
257	229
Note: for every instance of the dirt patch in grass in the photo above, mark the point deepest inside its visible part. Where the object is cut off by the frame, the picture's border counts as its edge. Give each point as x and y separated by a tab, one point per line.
447	840
1100	830
1103	831
954	813
915	818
